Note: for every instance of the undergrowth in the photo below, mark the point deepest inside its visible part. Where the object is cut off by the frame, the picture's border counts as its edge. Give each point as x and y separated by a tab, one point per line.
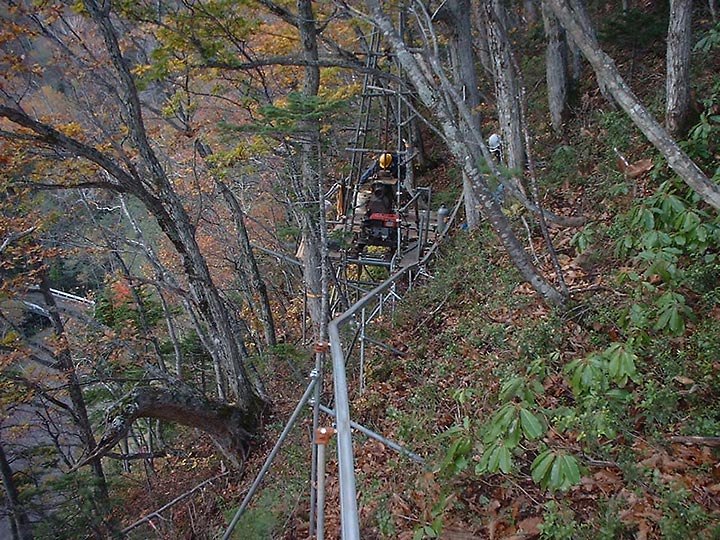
507	397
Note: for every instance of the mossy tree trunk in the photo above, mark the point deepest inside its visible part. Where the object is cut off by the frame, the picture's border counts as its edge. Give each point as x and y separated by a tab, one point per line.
677	82
556	69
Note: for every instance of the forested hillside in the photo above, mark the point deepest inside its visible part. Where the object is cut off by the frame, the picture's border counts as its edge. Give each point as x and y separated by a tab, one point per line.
182	231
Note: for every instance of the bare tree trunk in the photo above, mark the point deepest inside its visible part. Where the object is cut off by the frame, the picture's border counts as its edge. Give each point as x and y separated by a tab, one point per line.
584	20
679	45
309	164
556	67
456	16
481	43
575	64
466	152
506	88
606	71
74	390
172	333
19	522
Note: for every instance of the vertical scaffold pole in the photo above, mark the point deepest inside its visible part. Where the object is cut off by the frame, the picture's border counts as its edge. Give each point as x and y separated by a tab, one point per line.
362	350
322	437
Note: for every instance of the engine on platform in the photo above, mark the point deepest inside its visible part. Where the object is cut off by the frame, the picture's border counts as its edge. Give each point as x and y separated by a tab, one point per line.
381	222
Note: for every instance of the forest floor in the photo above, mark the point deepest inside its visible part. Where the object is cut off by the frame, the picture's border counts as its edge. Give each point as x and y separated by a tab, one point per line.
465	333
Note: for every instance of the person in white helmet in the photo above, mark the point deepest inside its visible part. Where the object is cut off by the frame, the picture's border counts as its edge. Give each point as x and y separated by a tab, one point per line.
495	146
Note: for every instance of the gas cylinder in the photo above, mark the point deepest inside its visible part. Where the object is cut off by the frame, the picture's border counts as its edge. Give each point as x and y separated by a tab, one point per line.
442	215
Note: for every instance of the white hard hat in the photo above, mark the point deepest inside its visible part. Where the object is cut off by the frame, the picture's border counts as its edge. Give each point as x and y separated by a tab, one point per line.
494	142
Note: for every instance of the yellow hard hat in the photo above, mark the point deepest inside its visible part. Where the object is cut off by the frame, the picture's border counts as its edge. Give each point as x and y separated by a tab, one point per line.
385	161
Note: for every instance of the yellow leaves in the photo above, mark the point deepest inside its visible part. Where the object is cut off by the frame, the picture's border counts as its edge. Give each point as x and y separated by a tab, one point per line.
11	31
177	65
10	340
71	129
231	157
141	70
343	92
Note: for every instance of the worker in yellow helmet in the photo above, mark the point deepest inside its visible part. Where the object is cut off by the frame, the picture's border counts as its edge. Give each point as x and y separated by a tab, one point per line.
388	162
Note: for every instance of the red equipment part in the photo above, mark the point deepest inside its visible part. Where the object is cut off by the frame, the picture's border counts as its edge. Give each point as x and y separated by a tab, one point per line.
389	220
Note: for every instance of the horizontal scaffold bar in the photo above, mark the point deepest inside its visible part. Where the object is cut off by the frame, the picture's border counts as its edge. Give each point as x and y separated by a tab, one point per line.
377	150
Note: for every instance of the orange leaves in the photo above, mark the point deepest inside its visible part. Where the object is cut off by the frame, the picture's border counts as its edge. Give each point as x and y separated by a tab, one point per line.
121	292
636	169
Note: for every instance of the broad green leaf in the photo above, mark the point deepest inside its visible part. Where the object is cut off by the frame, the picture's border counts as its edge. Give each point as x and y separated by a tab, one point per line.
505	461
701	234
512	437
494	461
621	363
571	470
541	466
500	423
511	388
531	426
555	474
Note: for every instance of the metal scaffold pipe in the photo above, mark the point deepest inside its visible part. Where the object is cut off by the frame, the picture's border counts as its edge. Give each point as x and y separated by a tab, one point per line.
346	467
322	437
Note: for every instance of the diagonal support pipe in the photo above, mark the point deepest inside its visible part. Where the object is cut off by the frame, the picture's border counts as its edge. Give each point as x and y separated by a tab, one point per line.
314	376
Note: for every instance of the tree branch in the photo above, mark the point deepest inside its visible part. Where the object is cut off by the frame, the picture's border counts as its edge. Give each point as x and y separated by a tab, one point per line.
700	441
54	138
174	401
14	237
